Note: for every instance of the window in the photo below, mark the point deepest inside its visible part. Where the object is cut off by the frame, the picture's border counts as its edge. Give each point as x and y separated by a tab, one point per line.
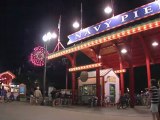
88	90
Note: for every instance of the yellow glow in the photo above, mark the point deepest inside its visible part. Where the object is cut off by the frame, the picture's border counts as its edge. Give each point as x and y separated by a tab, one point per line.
156	23
123	33
128	32
104	39
85	67
120	71
88	44
109	37
139	28
133	30
118	35
145	27
113	36
150	25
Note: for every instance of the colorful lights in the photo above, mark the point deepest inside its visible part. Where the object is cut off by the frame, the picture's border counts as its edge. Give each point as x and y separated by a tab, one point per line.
1	79
7	73
37	56
120	71
108	37
80	68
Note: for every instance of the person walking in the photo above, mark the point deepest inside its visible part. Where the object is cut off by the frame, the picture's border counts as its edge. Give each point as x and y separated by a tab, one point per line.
53	94
154	99
3	94
37	95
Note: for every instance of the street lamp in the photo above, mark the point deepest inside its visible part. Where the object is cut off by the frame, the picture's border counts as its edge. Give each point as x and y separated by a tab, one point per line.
123	51
110	9
76	24
46	38
154	44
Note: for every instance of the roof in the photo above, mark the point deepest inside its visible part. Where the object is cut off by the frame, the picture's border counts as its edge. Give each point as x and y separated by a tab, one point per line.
7	76
137	37
102	72
139	46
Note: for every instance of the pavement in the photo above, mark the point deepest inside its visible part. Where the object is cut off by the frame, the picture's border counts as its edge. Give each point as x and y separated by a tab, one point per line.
25	111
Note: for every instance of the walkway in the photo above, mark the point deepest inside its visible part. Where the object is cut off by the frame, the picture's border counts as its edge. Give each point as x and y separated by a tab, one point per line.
24	111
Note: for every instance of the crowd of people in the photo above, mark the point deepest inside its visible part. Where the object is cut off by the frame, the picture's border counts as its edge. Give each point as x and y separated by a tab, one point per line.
143	98
58	97
150	98
6	95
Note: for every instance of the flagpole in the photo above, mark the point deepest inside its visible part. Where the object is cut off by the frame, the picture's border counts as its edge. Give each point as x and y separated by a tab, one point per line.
112	3
59	28
59	44
81	15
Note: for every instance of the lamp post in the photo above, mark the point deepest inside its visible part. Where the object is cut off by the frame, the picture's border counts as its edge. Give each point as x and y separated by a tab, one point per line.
76	24
46	38
110	9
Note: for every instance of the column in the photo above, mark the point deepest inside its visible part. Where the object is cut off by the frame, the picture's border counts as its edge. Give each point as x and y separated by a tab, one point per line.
148	71
98	87
121	79
131	86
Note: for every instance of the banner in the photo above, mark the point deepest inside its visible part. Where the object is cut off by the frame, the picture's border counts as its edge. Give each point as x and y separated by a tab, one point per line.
116	21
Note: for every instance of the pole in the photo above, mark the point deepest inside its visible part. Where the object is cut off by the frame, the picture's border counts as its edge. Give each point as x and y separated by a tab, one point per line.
148	71
59	29
121	78
81	15
59	44
98	90
112	3
66	76
131	86
44	74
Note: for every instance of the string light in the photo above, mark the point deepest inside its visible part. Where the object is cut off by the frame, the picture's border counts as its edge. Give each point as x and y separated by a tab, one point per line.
90	66
120	71
109	37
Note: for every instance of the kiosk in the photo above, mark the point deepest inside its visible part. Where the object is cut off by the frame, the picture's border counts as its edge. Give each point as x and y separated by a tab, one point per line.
109	82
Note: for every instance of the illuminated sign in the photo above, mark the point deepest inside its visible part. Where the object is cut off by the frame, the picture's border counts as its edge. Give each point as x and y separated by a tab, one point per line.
21	90
116	21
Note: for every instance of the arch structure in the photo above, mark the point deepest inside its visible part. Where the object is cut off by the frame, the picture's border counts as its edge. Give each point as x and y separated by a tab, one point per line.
137	31
7	77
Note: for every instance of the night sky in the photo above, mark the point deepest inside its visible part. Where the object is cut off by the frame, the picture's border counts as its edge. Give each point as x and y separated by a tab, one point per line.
24	22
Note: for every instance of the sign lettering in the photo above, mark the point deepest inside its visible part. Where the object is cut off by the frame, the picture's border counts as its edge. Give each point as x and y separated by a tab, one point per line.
116	21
